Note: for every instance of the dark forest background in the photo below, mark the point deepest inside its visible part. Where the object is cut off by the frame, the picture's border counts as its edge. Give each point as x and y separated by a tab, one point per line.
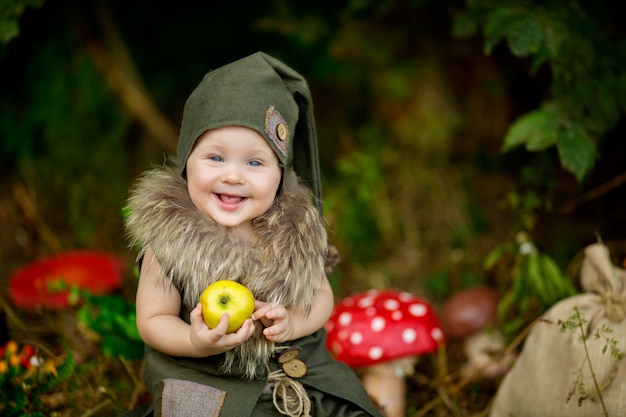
450	133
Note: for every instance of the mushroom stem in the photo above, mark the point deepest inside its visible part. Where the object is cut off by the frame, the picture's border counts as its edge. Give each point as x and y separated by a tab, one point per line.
484	350
386	384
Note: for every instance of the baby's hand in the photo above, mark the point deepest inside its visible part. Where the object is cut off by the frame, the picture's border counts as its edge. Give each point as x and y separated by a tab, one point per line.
214	341
277	320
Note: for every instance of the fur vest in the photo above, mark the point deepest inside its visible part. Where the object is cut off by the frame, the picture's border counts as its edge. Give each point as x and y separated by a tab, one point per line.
283	266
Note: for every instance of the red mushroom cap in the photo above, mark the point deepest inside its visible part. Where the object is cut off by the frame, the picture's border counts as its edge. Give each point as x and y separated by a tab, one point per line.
99	273
379	326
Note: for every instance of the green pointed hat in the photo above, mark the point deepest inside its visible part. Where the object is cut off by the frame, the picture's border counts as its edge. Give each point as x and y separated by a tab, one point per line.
263	94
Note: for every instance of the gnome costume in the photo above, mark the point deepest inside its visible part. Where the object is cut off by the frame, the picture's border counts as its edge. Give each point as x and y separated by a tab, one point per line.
283	266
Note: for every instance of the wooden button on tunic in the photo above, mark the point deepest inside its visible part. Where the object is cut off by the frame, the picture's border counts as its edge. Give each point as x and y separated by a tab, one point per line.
292	367
288	354
295	368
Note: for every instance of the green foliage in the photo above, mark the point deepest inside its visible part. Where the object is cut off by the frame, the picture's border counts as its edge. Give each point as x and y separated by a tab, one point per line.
24	385
354	200
576	323
610	343
532	282
113	319
588	82
63	372
110	317
64	132
10	12
544	128
536	129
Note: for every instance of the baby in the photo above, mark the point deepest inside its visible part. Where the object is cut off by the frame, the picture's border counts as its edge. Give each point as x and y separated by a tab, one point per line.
241	201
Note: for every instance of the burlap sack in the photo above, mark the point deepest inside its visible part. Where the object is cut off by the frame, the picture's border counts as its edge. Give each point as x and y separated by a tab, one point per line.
551	371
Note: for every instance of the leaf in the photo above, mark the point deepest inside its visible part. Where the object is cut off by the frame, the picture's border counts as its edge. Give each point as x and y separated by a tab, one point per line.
536	129
535	278
505	305
494	32
498	25
576	151
525	37
8	30
10	12
560	283
493	257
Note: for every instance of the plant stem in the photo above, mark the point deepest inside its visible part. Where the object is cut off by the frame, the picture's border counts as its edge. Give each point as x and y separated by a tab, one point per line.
593	374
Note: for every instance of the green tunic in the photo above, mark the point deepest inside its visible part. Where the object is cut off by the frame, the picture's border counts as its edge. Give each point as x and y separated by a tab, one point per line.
332	386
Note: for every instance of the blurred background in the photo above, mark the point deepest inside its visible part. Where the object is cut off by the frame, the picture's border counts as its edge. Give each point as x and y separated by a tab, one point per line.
450	133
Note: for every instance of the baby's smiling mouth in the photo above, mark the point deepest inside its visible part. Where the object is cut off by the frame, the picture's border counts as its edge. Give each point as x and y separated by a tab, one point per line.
230	199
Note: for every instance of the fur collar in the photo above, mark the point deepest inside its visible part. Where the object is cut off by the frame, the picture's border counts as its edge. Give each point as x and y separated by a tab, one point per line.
283	266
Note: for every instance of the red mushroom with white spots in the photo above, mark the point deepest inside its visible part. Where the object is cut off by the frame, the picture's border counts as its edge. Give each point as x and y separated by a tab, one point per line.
381	334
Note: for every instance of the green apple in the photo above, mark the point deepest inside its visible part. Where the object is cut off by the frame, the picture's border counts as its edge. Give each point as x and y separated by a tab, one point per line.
230	297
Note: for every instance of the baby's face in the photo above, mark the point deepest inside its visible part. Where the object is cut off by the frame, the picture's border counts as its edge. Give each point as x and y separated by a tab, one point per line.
233	176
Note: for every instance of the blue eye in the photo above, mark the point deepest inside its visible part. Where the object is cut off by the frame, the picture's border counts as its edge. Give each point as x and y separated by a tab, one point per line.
215	158
255	163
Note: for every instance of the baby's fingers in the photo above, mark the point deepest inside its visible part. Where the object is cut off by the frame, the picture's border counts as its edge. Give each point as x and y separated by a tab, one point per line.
195	317
217	333
246	331
231	340
261	310
276	313
276	332
222	325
